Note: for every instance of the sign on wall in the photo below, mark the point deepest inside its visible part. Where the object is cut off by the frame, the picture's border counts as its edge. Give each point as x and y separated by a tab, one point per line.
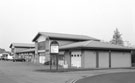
54	47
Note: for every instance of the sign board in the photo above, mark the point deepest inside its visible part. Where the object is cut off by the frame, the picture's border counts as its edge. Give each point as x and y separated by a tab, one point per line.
54	49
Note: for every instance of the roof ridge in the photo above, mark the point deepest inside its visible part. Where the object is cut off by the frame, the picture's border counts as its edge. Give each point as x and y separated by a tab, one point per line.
64	33
22	43
65	36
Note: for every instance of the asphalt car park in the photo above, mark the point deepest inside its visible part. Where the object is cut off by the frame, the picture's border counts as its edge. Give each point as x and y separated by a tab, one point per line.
27	72
128	77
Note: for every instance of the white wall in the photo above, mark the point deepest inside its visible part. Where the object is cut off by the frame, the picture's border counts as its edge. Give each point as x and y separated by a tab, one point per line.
120	59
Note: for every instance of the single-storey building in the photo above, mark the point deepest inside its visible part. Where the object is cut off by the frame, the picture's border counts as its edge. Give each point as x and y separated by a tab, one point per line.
81	51
95	54
21	49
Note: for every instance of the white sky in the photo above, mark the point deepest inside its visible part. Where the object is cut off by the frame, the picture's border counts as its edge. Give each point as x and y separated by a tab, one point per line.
21	20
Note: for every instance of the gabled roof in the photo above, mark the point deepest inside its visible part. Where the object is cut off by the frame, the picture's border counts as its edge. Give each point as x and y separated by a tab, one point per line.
25	51
22	45
64	36
95	45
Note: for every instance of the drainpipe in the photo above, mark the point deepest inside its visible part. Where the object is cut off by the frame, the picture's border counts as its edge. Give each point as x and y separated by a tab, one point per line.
109	58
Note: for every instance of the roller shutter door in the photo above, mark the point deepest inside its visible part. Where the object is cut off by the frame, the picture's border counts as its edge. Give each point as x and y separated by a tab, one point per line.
103	59
90	59
120	59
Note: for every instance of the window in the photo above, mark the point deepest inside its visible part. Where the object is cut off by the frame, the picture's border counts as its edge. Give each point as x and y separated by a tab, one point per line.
71	55
41	45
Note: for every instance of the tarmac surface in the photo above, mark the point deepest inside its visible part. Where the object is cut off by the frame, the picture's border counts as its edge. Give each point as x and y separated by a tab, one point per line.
128	77
27	72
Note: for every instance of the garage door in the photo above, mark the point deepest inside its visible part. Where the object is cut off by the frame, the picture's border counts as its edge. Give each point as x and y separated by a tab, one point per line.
103	59
120	59
76	58
90	59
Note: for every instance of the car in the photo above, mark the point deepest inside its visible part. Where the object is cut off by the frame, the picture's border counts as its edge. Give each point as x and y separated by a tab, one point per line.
9	57
19	59
4	56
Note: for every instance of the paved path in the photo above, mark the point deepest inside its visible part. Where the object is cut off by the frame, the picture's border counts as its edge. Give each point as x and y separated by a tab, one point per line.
22	72
128	77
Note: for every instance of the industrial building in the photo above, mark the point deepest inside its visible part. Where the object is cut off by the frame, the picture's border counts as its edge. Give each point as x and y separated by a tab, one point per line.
79	51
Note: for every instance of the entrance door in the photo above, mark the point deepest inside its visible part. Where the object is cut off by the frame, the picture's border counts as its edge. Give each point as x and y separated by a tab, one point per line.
42	58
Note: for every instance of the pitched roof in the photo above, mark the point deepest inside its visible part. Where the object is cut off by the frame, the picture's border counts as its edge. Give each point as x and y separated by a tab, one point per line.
21	45
94	45
64	36
25	51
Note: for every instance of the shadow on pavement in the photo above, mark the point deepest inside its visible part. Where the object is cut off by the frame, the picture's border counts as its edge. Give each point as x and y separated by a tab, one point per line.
62	70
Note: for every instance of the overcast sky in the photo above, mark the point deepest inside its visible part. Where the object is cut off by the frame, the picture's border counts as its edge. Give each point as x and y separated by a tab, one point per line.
21	20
